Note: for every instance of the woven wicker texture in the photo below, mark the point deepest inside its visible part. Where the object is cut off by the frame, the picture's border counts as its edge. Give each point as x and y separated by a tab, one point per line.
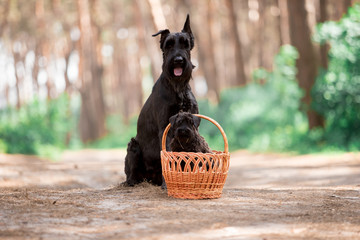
190	175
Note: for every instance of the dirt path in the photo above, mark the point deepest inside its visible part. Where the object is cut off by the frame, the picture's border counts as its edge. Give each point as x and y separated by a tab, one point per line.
265	197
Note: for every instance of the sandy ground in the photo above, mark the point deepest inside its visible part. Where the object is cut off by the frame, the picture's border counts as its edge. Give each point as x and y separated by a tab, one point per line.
265	197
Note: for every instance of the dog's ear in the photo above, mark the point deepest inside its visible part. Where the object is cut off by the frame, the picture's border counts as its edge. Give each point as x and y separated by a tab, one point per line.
164	33
172	120
187	29
197	121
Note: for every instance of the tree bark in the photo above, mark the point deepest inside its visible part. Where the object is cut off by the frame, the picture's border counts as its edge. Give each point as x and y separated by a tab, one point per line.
234	34
4	18
261	32
69	46
307	64
337	8
323	16
284	22
207	55
17	61
35	69
92	115
159	23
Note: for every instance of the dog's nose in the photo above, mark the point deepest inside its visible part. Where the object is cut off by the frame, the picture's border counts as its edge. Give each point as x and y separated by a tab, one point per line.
179	59
182	131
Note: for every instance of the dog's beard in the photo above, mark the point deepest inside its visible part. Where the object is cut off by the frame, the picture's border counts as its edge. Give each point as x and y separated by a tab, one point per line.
182	141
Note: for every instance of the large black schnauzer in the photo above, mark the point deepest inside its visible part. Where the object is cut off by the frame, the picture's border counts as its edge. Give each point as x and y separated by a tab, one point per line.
171	93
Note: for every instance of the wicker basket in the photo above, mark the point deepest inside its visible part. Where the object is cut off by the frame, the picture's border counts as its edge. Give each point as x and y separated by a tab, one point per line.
190	175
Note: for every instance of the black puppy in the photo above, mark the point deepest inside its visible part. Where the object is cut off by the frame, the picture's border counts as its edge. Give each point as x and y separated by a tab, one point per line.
171	93
186	136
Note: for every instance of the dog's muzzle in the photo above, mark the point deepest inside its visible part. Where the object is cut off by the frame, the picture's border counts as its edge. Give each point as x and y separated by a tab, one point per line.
183	133
178	69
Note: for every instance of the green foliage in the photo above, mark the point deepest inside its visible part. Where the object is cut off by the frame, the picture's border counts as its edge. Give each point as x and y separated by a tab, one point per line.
267	117
36	127
3	147
260	116
119	133
336	93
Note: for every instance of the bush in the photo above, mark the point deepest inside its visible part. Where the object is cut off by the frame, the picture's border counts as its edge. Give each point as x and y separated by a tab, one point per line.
119	133
264	115
336	93
36	126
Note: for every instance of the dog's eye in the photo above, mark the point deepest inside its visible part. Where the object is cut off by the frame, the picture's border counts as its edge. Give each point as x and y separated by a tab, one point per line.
186	44
169	44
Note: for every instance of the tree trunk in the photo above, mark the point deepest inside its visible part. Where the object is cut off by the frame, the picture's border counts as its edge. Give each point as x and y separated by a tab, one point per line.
143	49
206	52
234	34
307	62
337	8
284	22
92	115
35	69
39	42
67	55
157	14
159	23
18	82
323	16
69	46
4	18
260	32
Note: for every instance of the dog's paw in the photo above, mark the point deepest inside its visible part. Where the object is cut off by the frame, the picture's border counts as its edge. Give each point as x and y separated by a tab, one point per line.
127	184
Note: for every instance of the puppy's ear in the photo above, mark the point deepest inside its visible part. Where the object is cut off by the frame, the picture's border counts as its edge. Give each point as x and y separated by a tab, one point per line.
172	120
164	33
187	29
197	121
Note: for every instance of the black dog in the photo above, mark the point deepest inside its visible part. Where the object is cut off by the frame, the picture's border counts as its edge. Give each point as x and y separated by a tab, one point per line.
186	138
186	135
171	93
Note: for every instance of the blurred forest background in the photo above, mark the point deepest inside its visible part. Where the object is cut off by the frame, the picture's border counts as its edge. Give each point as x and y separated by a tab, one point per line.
278	75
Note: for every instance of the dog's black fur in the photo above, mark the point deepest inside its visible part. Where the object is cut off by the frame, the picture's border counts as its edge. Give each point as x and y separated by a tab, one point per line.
171	93
186	136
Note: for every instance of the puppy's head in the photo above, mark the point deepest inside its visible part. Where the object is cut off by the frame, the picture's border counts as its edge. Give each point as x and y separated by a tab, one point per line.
185	126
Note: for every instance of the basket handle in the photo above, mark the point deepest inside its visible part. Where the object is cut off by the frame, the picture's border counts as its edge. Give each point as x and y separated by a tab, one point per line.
226	145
